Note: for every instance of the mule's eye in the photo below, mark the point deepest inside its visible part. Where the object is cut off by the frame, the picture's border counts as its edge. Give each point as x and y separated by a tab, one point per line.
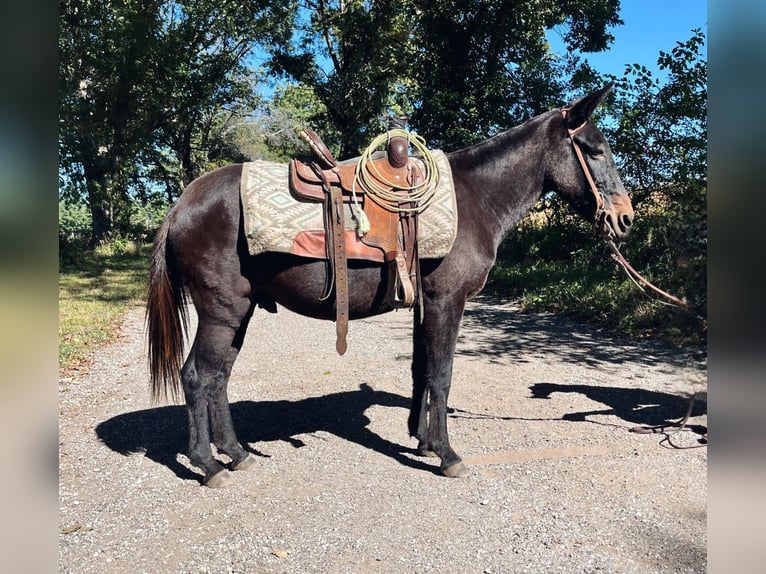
596	153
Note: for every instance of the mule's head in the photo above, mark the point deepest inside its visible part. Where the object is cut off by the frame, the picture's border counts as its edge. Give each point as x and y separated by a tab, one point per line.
583	171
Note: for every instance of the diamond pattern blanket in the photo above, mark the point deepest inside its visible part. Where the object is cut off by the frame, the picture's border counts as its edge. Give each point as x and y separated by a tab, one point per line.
273	219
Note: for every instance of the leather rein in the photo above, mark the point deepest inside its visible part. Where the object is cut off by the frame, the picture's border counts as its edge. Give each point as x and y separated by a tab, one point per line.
603	231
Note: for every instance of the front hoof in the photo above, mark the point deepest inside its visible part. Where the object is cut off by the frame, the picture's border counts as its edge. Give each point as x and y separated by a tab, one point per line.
245	463
220	479
457	470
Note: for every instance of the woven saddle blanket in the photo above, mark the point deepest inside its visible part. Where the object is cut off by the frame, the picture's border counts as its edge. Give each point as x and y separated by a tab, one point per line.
274	221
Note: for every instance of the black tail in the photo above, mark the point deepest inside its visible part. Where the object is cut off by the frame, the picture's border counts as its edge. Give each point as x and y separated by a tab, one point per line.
166	319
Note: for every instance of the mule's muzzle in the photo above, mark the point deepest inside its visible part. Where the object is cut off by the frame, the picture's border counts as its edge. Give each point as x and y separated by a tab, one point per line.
615	219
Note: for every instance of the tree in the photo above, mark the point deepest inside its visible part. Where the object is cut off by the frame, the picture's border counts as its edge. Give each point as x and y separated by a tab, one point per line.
275	132
659	129
204	83
481	67
352	54
659	135
148	91
461	69
102	85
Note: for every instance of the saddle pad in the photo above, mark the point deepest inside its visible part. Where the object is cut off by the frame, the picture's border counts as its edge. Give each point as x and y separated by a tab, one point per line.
273	219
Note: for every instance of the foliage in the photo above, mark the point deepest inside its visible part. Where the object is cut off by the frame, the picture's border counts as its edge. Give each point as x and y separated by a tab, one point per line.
459	68
75	226
658	132
352	54
149	89
274	134
75	222
481	67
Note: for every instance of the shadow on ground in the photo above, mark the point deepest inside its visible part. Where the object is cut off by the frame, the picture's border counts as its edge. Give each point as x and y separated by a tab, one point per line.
638	406
515	334
160	433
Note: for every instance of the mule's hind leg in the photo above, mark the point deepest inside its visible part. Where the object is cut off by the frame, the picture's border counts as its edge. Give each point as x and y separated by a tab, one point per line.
224	437
205	377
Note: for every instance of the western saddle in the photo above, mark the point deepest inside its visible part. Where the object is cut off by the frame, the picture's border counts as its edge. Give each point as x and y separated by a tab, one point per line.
389	226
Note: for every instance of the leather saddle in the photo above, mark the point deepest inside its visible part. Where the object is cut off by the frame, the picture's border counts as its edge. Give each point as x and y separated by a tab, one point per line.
319	178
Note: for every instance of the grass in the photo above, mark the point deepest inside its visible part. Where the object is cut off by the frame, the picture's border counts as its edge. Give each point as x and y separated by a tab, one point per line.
96	288
600	296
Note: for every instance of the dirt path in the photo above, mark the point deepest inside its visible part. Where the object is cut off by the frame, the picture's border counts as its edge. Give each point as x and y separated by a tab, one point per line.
541	412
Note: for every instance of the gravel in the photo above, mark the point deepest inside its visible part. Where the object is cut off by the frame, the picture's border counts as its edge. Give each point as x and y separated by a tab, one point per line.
541	412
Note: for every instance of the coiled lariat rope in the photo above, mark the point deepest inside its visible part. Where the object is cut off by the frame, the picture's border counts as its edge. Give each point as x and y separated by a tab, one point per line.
418	197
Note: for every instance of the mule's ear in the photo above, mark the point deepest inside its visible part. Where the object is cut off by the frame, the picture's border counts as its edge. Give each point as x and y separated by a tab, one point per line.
580	110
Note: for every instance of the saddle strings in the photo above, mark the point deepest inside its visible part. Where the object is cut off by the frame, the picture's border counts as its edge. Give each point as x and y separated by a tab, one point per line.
368	176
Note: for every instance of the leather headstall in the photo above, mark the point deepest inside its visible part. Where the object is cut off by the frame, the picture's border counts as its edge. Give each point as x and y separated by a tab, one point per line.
599	224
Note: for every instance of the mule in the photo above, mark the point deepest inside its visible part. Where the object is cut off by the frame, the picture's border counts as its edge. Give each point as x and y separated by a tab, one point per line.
200	251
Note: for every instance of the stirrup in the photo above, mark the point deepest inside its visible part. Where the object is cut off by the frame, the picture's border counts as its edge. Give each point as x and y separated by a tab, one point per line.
400	290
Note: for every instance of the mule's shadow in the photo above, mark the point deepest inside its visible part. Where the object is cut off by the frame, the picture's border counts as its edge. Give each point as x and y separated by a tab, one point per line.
638	406
161	433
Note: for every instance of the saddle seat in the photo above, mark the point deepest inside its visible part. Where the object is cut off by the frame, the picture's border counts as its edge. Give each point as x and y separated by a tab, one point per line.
319	178
308	175
307	183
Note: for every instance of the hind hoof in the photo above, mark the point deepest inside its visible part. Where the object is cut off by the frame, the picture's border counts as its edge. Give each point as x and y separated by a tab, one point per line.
219	479
457	470
245	463
427	452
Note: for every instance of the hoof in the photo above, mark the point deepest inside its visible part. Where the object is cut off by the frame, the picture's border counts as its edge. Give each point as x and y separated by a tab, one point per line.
457	470
424	450
219	479
245	463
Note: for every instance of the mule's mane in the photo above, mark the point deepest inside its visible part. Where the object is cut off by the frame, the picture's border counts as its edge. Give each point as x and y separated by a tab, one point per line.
503	142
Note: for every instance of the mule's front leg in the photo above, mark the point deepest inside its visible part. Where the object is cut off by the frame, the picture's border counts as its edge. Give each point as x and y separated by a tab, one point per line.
417	422
434	342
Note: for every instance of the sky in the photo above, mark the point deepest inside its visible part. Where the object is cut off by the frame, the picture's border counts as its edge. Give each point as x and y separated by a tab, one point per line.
650	26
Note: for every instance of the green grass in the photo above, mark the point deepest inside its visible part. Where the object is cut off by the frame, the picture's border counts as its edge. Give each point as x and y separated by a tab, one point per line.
601	296
96	288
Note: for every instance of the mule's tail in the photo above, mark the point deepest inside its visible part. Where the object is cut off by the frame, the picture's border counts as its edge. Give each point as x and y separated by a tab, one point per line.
166	318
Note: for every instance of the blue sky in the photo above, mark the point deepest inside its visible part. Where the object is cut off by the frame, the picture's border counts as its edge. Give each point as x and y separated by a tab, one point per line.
650	26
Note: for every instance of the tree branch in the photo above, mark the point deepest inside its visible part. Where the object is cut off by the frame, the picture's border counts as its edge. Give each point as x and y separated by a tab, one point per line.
327	36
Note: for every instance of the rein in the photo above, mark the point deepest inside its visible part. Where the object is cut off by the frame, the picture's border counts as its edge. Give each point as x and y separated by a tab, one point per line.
604	232
637	278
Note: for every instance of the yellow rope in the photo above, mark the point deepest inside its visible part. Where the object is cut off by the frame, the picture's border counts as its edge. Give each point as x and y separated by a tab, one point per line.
368	176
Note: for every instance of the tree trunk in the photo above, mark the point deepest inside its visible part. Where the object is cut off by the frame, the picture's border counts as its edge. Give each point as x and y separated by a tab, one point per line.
98	203
101	214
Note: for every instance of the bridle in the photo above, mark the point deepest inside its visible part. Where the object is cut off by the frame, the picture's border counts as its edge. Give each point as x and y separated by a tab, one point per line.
602	228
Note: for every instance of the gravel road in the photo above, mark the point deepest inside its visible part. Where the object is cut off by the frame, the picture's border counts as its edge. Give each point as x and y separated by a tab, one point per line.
541	412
